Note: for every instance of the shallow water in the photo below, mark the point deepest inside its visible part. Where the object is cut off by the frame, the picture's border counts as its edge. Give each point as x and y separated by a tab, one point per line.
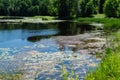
33	46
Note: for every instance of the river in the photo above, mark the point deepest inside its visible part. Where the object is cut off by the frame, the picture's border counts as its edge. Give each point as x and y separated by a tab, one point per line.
37	49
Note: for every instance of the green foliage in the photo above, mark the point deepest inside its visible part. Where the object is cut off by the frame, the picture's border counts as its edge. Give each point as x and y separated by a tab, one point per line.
53	7
63	8
98	54
67	9
111	7
118	11
96	6
101	5
108	51
110	24
72	11
44	17
64	73
28	7
109	68
99	16
81	8
85	8
89	8
68	75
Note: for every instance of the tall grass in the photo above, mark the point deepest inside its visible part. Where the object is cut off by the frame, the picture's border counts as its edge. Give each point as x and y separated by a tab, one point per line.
109	68
68	75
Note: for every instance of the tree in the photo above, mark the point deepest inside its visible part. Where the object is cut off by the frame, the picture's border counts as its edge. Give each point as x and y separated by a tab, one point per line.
110	8
89	8
118	11
4	4
63	9
96	4
1	9
72	12
101	5
85	8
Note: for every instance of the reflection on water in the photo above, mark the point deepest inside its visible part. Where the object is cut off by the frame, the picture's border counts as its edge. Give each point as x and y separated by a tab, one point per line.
27	34
36	32
72	28
33	45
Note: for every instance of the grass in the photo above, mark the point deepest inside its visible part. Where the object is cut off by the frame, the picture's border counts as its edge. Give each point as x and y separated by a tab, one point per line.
45	17
1	16
110	24
99	16
114	40
109	68
34	17
68	75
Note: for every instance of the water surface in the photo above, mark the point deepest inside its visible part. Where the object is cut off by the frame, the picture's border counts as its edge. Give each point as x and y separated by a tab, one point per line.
33	43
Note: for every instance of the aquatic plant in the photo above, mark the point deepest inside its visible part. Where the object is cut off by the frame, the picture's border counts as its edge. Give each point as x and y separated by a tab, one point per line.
68	75
19	75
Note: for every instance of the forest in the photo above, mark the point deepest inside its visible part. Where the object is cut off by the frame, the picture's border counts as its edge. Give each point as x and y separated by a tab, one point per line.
61	8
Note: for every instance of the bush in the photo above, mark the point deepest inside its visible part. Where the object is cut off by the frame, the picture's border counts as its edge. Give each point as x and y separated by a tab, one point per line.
118	11
111	7
85	8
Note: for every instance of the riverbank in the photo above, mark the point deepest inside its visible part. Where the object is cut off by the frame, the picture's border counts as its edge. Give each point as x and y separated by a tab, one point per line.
35	19
110	24
109	66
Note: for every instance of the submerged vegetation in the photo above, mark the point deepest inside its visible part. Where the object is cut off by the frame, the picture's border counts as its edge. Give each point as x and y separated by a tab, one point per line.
68	76
19	75
12	77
